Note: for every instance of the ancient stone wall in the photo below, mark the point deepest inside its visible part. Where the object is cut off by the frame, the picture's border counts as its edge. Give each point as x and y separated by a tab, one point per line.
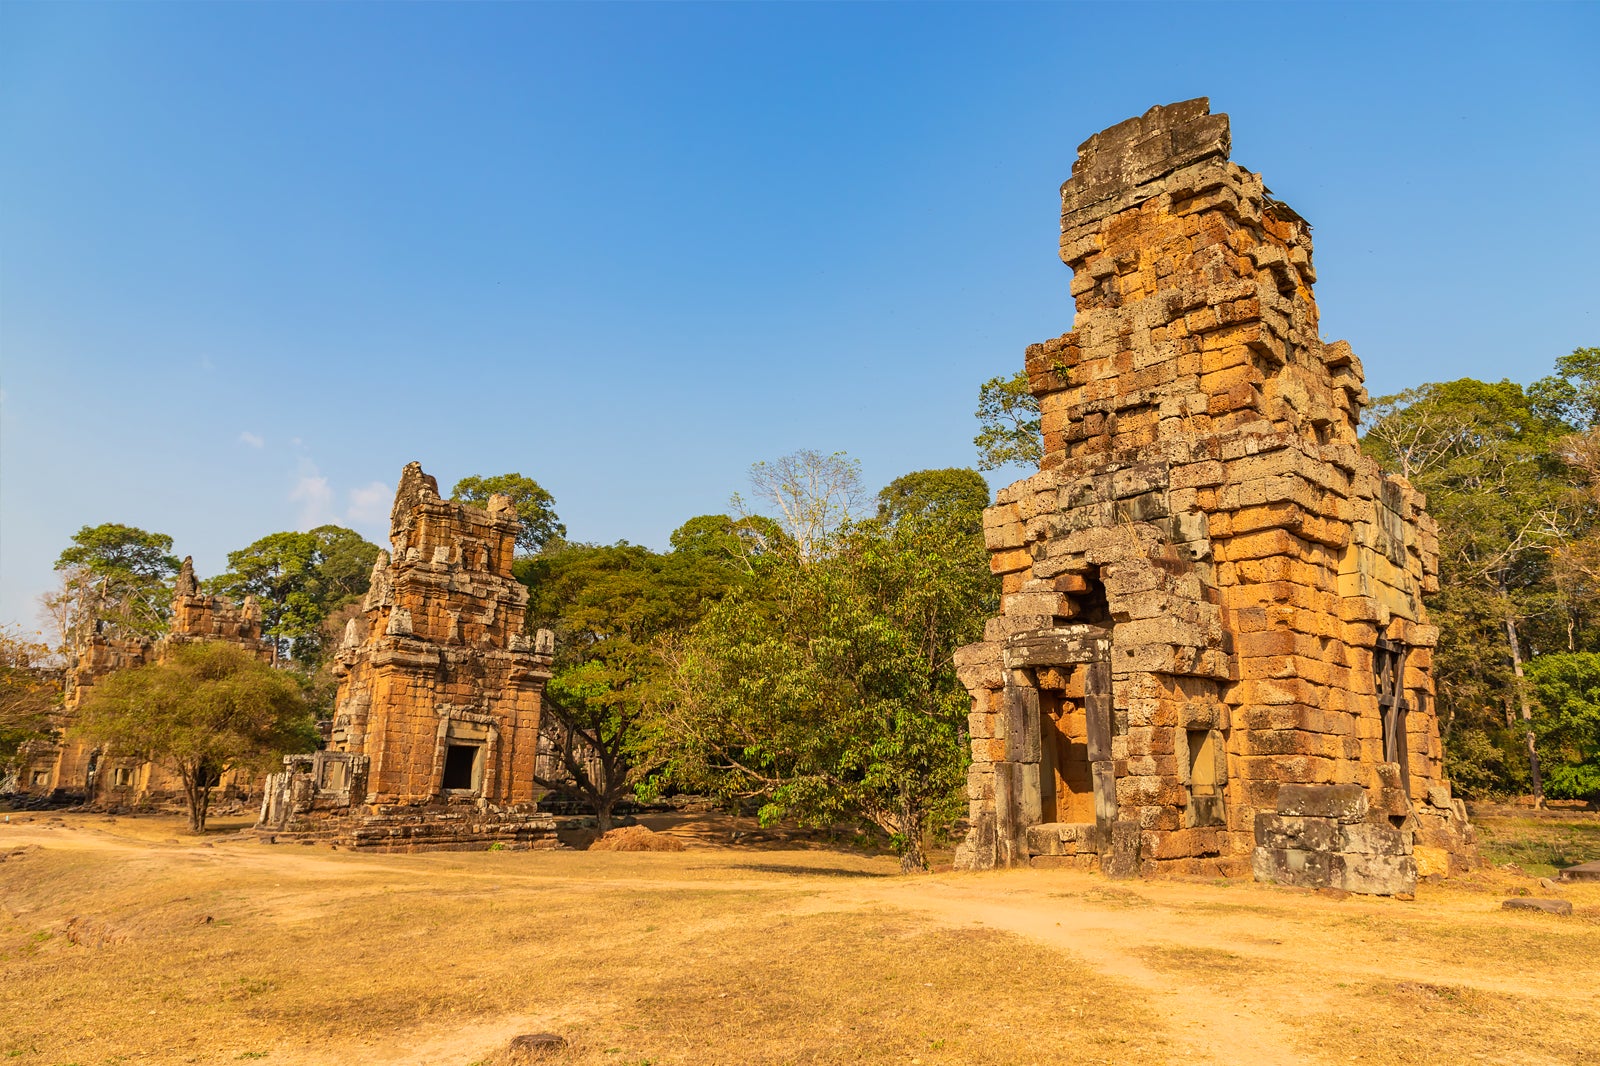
76	769
437	716
1208	591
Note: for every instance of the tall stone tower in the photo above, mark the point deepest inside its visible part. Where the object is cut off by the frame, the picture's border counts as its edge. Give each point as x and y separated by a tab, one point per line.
436	724
1212	653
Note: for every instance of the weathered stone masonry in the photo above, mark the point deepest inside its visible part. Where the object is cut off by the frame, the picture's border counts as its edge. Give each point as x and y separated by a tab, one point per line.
1212	654
436	725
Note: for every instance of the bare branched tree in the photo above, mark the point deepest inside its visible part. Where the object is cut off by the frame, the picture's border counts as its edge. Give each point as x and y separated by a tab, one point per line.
811	495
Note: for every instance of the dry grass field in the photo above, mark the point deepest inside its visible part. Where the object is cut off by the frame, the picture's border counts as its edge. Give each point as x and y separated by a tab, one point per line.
121	941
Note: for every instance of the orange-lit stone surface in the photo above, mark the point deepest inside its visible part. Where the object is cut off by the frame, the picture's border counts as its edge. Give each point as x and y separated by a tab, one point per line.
1207	586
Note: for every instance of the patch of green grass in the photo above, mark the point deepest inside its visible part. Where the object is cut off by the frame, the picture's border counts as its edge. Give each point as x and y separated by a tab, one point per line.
1539	845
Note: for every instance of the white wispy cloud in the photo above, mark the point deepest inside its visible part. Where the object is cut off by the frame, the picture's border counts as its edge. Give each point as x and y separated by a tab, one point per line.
255	440
370	503
314	496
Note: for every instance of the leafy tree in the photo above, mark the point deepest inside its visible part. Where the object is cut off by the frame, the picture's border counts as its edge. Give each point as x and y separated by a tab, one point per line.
1008	420
810	494
1572	394
736	542
1485	455
30	690
1567	687
959	490
117	580
300	579
535	507
828	687
611	607
208	708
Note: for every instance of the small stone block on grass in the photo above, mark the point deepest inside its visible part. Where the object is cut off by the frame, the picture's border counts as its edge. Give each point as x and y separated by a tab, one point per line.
1548	906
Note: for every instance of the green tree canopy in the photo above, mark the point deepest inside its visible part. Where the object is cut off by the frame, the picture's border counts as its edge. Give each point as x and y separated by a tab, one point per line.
732	541
828	686
118	578
959	490
535	507
208	708
1008	421
1487	457
300	579
611	608
1567	688
1572	394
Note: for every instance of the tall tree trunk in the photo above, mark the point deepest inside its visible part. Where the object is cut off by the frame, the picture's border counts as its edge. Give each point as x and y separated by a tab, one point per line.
1527	712
603	806
913	860
198	795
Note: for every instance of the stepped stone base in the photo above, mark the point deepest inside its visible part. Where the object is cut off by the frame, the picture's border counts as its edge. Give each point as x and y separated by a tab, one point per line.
441	827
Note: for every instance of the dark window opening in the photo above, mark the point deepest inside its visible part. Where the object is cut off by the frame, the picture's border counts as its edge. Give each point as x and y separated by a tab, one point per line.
460	766
1090	605
1202	763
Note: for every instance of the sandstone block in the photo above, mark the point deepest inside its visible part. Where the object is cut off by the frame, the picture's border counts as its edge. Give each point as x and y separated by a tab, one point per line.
1377	875
1347	803
1292	866
1288	832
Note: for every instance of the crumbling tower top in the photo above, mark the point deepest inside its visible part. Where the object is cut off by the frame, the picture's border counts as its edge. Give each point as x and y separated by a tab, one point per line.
1191	281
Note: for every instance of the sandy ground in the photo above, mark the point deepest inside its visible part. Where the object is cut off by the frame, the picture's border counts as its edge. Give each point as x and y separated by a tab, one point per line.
1060	966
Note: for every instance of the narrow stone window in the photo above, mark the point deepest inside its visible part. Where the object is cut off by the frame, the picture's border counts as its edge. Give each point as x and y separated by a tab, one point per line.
122	777
460	766
1202	764
1389	672
41	777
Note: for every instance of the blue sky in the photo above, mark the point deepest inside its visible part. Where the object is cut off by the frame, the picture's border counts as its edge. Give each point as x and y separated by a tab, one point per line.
255	258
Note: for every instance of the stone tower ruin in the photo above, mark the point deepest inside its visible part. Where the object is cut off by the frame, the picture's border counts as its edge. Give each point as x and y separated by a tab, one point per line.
1212	654
436	722
73	769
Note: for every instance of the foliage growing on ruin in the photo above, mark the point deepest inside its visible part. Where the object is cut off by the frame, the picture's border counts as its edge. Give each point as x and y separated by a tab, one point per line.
1008	420
534	506
827	688
300	579
116	579
208	708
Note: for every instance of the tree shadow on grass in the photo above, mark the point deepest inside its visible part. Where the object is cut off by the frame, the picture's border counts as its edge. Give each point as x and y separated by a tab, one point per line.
806	871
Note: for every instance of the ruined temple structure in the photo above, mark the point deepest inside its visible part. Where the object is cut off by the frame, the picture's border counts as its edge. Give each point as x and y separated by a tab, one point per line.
436	724
1212	655
75	770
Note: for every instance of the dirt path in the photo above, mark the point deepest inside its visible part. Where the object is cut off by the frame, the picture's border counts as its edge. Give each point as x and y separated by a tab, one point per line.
1194	1022
1221	972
